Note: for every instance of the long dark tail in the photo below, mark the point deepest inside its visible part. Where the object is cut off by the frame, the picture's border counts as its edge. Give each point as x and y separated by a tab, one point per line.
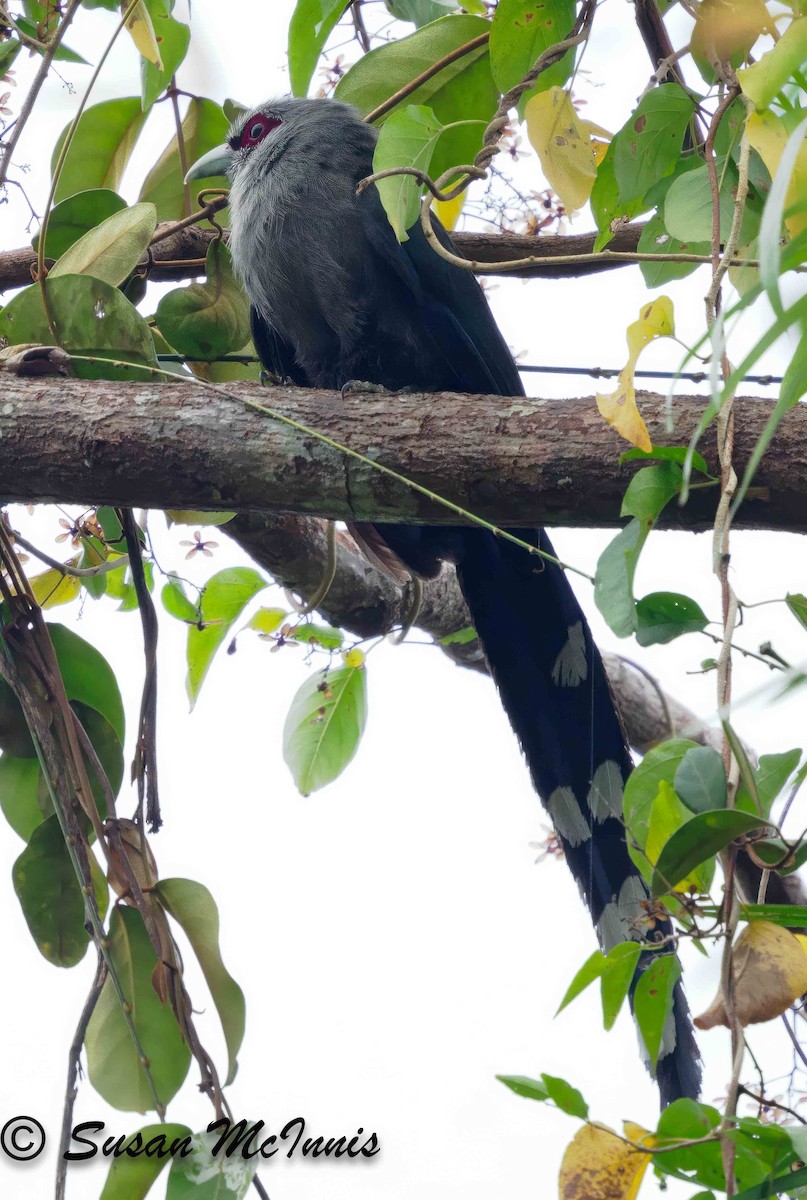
553	686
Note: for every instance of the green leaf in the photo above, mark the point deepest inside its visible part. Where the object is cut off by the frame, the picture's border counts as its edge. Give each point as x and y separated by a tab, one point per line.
223	600
267	621
797	603
76	215
609	209
649	147
8	52
203	128
176	603
521	31
173	39
88	676
63	53
107	746
324	726
667	816
207	320
192	906
131	1177
422	12
592	969
20	794
111	250
406	139
676	454
771	775
309	29
51	897
617	978
463	91
460	637
311	634
522	1085
747	775
105	138
656	239
651	489
791	916
688	205
203	1176
658	766
776	854
653	1000
700	780
613	583
664	616
701	838
93	319
195	516
687	1120
567	1098
763	80
114	1065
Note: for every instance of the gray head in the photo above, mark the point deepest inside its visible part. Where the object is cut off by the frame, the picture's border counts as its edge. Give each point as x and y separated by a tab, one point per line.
290	137
290	162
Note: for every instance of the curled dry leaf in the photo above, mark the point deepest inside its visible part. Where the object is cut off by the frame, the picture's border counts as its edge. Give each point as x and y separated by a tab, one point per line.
769	971
139	858
32	359
600	1165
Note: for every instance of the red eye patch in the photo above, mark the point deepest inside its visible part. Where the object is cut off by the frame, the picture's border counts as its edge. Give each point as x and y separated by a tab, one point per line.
257	129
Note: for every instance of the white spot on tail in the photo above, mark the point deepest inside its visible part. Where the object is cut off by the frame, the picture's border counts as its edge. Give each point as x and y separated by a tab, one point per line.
567	817
605	794
571	665
614	925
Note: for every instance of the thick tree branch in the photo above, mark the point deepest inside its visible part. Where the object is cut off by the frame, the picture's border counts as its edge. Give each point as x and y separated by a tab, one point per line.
511	461
181	254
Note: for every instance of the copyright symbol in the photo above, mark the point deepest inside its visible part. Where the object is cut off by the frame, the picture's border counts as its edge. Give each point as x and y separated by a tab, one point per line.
22	1138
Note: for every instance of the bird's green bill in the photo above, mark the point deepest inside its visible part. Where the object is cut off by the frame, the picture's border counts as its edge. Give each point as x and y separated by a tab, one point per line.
215	162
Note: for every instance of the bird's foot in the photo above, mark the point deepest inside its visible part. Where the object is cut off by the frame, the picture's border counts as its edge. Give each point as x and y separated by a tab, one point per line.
360	387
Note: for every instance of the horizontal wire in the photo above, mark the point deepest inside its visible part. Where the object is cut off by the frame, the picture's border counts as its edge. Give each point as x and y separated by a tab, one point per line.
593	372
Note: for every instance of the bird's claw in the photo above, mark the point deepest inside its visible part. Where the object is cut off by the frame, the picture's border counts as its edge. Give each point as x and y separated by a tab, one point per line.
360	387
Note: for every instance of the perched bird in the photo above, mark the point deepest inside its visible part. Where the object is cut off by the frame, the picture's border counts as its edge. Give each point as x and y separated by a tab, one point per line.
336	298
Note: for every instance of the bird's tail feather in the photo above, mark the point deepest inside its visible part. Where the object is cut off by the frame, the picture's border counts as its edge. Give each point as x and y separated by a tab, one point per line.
554	688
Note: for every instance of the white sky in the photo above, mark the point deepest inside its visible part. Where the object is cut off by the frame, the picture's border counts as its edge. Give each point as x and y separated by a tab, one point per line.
396	944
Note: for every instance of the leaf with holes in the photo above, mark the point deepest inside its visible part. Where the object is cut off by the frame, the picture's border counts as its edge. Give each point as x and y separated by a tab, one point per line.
521	31
649	146
92	318
663	616
325	725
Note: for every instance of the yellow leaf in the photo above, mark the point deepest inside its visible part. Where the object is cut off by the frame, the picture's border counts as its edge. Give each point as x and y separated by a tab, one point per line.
449	210
619	409
725	29
769	969
353	658
598	1165
563	145
768	136
142	31
52	588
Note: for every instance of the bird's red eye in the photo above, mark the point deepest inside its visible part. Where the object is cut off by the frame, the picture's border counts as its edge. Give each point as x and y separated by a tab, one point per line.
257	130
